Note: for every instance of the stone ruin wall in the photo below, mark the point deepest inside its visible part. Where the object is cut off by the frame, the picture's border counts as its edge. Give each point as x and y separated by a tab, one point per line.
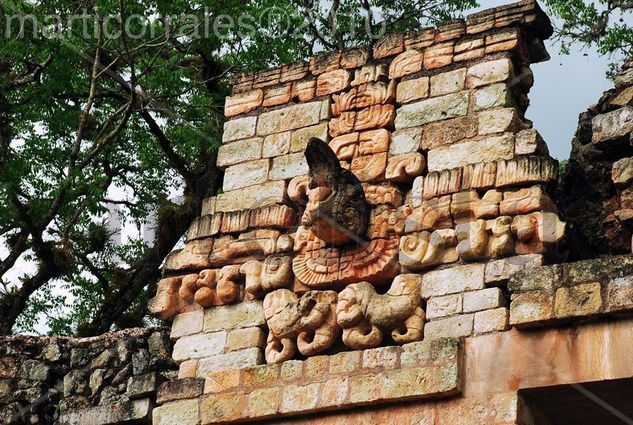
412	304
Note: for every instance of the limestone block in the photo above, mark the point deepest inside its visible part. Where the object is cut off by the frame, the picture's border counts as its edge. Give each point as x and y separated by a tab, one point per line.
410	90
468	277
335	392
388	45
622	172
276	144
443	306
580	300
299	397
499	271
438	55
243	102
303	91
198	346
277	95
490	72
496	95
449	131
234	360
435	109
619	294
405	141
416	194
450	327
240	339
221	381
530	142
290	118
612	125
263	402
483	299
225	407
495	320
243	315
333	82
188	323
448	82
288	166
302	136
239	128
531	308
500	121
453	156
246	174
237	152
121	412
268	193
141	385
383	357
345	362
408	62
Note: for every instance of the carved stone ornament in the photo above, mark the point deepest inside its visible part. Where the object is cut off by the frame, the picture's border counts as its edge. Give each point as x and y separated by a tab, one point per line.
364	315
307	323
337	211
274	272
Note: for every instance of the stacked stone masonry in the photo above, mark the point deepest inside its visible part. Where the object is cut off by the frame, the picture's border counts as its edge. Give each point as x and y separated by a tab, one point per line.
388	227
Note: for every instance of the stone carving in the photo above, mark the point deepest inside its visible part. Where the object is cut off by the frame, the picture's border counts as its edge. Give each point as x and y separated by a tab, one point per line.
363	96
422	250
298	189
537	232
525	170
205	227
483	239
479	176
343	124
468	206
249	246
275	216
370	168
236	221
406	63
364	315
274	272
383	195
377	116
525	201
445	182
306	240
375	261
337	211
386	221
194	256
405	167
433	214
370	73
307	323
333	82
243	102
208	288
373	142
344	147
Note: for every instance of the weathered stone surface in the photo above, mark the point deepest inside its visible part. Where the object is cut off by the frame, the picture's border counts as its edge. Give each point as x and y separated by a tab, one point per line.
242	151
239	128
622	172
448	82
179	389
405	167
495	320
405	141
243	102
500	121
442	183
370	73
530	142
243	315
479	176
410	90
448	131
580	300
499	271
276	144
188	323
221	381
277	95
612	125
247	174
263	402
136	410
222	407
525	201
453	156
302	136
288	166
443	306
408	62
269	193
388	45
483	299
345	362
457	279
492	96
524	170
333	82
422	250
531	308
141	385
489	72
438	55
383	357
245	338
299	398
233	360
290	118
370	168
450	327
199	346
619	294
354	58
363	96
435	109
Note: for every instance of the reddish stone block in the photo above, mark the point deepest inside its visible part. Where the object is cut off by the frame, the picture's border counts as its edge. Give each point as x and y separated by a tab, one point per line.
370	167
243	102
389	45
406	63
333	82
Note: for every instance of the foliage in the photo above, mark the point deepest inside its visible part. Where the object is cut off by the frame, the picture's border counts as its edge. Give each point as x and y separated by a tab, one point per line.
89	121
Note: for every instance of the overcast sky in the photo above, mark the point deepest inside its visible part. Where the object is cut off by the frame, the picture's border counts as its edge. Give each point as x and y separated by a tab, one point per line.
564	86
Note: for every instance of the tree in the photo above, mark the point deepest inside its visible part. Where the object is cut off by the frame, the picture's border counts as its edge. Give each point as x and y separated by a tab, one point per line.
119	102
605	24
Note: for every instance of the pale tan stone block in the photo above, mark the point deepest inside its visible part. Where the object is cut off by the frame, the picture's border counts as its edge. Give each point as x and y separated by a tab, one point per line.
448	82
188	369
450	281
530	308
579	300
263	402
183	412
290	118
199	346
188	323
297	398
450	327
288	166
237	316
429	110
221	381
260	376
498	121
242	151
443	306
276	144
490	72
301	137
334	392
233	360
461	154
345	362
493	96
245	338
269	193
239	128
382	357
483	299
222	407
410	90
246	174
495	320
